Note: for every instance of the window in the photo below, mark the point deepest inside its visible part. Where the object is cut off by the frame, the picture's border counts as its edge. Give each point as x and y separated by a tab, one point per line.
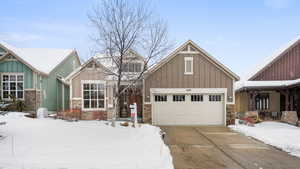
12	86
178	98
188	65
160	98
93	96
214	98
196	98
262	101
132	67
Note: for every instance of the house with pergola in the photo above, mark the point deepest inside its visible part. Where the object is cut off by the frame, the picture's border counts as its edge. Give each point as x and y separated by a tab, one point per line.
273	86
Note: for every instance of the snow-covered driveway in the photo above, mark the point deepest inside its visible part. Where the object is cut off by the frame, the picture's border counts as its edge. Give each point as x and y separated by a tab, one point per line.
57	144
280	135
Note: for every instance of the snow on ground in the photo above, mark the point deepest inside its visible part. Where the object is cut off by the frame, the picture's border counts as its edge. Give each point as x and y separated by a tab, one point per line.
280	135
57	144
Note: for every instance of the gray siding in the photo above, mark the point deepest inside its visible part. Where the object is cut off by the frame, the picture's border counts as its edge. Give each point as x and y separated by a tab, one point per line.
206	74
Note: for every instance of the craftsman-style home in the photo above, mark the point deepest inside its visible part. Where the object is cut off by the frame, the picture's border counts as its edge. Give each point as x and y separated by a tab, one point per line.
92	87
33	75
274	85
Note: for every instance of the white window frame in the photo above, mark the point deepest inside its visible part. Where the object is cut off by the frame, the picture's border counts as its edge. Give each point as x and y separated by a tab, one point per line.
186	59
2	90
82	96
134	67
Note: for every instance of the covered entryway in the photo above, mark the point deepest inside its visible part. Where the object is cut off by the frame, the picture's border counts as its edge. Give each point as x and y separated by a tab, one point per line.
188	108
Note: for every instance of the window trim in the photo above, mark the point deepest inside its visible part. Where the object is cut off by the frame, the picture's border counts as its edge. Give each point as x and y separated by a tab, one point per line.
174	95
201	98
215	98
82	97
16	82
163	100
133	63
186	59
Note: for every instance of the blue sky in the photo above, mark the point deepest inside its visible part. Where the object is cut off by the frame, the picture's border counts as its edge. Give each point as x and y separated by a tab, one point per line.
239	33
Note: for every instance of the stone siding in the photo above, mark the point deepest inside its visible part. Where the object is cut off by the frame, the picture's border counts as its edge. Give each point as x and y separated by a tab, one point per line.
230	114
89	115
94	115
147	113
32	100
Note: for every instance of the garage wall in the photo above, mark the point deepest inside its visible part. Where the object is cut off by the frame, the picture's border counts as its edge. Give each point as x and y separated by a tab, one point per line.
205	75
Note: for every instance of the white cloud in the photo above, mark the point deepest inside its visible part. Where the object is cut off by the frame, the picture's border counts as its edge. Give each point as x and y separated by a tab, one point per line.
278	4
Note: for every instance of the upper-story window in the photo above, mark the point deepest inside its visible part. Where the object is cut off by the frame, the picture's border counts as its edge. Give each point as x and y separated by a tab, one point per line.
188	65
132	67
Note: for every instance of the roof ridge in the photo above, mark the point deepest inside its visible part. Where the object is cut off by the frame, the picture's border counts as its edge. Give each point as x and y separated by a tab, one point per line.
269	59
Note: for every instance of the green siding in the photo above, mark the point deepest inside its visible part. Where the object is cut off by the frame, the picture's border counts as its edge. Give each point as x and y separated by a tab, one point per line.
14	66
2	50
52	87
67	97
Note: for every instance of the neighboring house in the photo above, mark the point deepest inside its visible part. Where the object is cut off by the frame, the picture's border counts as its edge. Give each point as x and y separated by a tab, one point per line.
188	87
33	75
274	84
92	87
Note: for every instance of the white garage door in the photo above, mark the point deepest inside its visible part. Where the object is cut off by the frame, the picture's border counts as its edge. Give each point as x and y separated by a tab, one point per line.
188	109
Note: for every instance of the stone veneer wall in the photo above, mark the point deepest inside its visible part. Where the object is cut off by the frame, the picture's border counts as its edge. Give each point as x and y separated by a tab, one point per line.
230	114
91	115
147	113
32	100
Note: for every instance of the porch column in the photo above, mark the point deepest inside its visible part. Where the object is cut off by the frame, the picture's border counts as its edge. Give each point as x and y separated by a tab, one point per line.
286	94
251	96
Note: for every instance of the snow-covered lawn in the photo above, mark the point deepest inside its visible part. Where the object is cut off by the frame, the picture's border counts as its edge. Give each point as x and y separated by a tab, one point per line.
280	135
57	144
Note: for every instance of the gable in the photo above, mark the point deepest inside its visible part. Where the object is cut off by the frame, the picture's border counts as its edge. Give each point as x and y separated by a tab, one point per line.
91	71
282	67
190	47
205	74
2	51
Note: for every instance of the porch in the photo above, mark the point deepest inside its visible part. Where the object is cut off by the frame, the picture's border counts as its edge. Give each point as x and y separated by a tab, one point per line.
269	102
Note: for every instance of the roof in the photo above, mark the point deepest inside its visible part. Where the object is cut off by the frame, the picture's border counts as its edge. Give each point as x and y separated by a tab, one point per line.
43	60
243	85
210	57
271	59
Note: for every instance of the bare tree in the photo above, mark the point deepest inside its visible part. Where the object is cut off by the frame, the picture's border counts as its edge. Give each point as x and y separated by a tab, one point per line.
122	25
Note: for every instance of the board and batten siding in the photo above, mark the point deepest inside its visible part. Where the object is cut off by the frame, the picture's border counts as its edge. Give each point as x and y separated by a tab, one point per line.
205	75
91	74
14	66
51	87
285	67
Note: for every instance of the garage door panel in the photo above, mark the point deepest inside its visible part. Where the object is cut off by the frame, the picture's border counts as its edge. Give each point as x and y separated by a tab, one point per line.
189	113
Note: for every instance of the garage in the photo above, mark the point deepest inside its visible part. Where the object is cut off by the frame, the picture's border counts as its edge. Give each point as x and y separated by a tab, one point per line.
189	87
189	108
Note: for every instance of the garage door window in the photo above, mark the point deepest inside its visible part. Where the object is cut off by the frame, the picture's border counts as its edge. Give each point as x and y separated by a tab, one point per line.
196	98
178	98
160	98
214	98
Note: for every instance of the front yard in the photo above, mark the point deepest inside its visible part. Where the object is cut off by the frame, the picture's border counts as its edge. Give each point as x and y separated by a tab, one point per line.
57	144
280	135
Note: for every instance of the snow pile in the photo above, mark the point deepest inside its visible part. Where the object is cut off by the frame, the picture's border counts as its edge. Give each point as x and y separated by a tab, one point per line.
280	135
56	144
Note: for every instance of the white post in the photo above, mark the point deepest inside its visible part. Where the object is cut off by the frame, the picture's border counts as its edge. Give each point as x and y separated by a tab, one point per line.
133	109
135	115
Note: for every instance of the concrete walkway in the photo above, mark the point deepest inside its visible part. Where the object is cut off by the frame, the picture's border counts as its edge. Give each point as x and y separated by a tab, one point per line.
217	147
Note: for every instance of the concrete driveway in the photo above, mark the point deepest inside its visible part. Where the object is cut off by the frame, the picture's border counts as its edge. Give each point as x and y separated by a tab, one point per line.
217	147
